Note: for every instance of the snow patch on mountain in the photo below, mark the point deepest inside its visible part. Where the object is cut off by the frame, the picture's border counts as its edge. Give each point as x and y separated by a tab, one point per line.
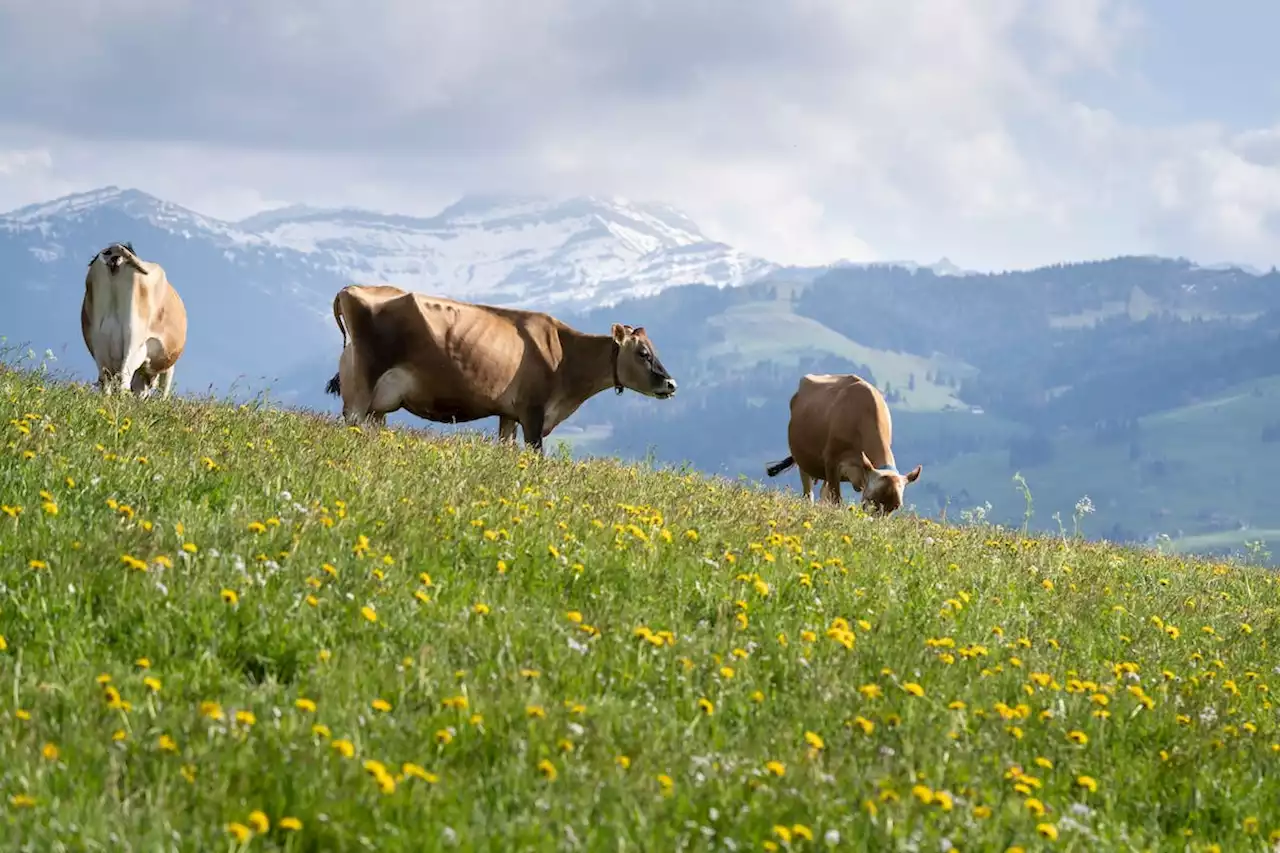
518	250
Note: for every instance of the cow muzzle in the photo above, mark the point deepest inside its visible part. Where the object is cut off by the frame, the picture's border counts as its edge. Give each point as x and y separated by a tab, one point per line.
666	389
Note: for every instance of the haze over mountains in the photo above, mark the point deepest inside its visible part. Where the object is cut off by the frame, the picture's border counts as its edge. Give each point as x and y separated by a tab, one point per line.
1137	381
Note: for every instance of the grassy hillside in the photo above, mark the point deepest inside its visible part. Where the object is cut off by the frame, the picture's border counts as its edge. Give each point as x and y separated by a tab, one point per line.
227	624
1201	472
769	331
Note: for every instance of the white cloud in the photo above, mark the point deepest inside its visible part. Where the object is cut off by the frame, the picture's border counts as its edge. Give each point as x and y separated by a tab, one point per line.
802	131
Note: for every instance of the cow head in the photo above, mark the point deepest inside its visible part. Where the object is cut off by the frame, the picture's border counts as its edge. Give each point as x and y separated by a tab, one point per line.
882	489
637	366
117	255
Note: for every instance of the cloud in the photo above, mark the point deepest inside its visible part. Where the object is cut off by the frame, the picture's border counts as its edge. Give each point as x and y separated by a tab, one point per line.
990	131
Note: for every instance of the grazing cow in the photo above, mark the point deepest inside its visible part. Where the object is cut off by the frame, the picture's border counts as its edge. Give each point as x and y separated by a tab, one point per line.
133	322
840	430
453	362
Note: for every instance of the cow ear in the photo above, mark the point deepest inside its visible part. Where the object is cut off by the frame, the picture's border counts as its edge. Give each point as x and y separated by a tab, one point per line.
638	331
913	474
619	332
866	463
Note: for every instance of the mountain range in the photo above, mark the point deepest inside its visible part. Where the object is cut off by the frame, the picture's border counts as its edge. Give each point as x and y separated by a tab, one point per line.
1138	381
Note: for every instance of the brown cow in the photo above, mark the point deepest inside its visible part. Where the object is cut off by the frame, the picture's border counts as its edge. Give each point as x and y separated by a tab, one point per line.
840	430
452	362
133	322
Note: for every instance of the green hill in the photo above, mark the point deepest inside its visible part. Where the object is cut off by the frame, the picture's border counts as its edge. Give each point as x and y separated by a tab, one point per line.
229	624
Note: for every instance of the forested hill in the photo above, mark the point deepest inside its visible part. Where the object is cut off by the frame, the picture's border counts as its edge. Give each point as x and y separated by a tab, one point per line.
1134	381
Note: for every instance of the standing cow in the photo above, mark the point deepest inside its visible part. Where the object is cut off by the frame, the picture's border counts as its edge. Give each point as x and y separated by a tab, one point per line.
452	362
133	322
840	430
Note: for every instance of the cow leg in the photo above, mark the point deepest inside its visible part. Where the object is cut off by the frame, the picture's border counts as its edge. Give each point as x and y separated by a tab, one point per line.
532	424
831	486
389	392
507	429
806	485
165	381
133	362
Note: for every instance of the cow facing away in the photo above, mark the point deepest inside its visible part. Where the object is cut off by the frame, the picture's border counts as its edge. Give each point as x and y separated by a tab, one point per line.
454	362
133	322
840	429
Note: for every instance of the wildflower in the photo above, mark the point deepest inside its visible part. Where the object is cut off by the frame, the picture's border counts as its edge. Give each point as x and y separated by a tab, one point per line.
167	744
49	751
289	824
230	596
411	770
622	761
212	710
320	730
814	740
443	736
536	711
1047	830
667	784
705	705
259	821
777	768
239	831
246	718
480	608
304	704
369	613
344	747
257	527
548	770
1087	782
913	688
1077	736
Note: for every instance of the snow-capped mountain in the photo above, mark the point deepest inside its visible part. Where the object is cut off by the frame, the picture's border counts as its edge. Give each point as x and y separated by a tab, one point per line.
530	252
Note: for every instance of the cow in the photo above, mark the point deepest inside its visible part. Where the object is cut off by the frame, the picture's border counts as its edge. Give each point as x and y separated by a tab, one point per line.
453	362
840	429
133	321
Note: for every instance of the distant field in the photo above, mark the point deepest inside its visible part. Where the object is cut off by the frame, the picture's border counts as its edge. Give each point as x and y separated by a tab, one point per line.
769	331
234	628
1216	471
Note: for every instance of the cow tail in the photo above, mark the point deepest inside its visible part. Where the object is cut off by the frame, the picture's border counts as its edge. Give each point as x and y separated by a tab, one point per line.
778	467
333	386
337	317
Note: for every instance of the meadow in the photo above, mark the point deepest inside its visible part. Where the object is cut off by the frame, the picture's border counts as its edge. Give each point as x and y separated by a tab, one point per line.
242	628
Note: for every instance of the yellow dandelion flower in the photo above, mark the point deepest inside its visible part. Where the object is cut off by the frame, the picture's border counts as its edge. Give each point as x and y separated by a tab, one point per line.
777	768
369	613
667	783
50	752
212	710
239	832
548	770
706	706
320	730
480	608
344	747
246	718
1047	830
814	740
1077	736
444	736
381	705
1087	782
230	596
411	770
258	820
304	704
289	824
913	688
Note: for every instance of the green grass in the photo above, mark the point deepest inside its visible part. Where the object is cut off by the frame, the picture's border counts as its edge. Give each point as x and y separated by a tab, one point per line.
169	554
768	331
1218	472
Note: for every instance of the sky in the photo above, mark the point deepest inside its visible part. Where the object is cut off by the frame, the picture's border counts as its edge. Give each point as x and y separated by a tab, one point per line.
1000	134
